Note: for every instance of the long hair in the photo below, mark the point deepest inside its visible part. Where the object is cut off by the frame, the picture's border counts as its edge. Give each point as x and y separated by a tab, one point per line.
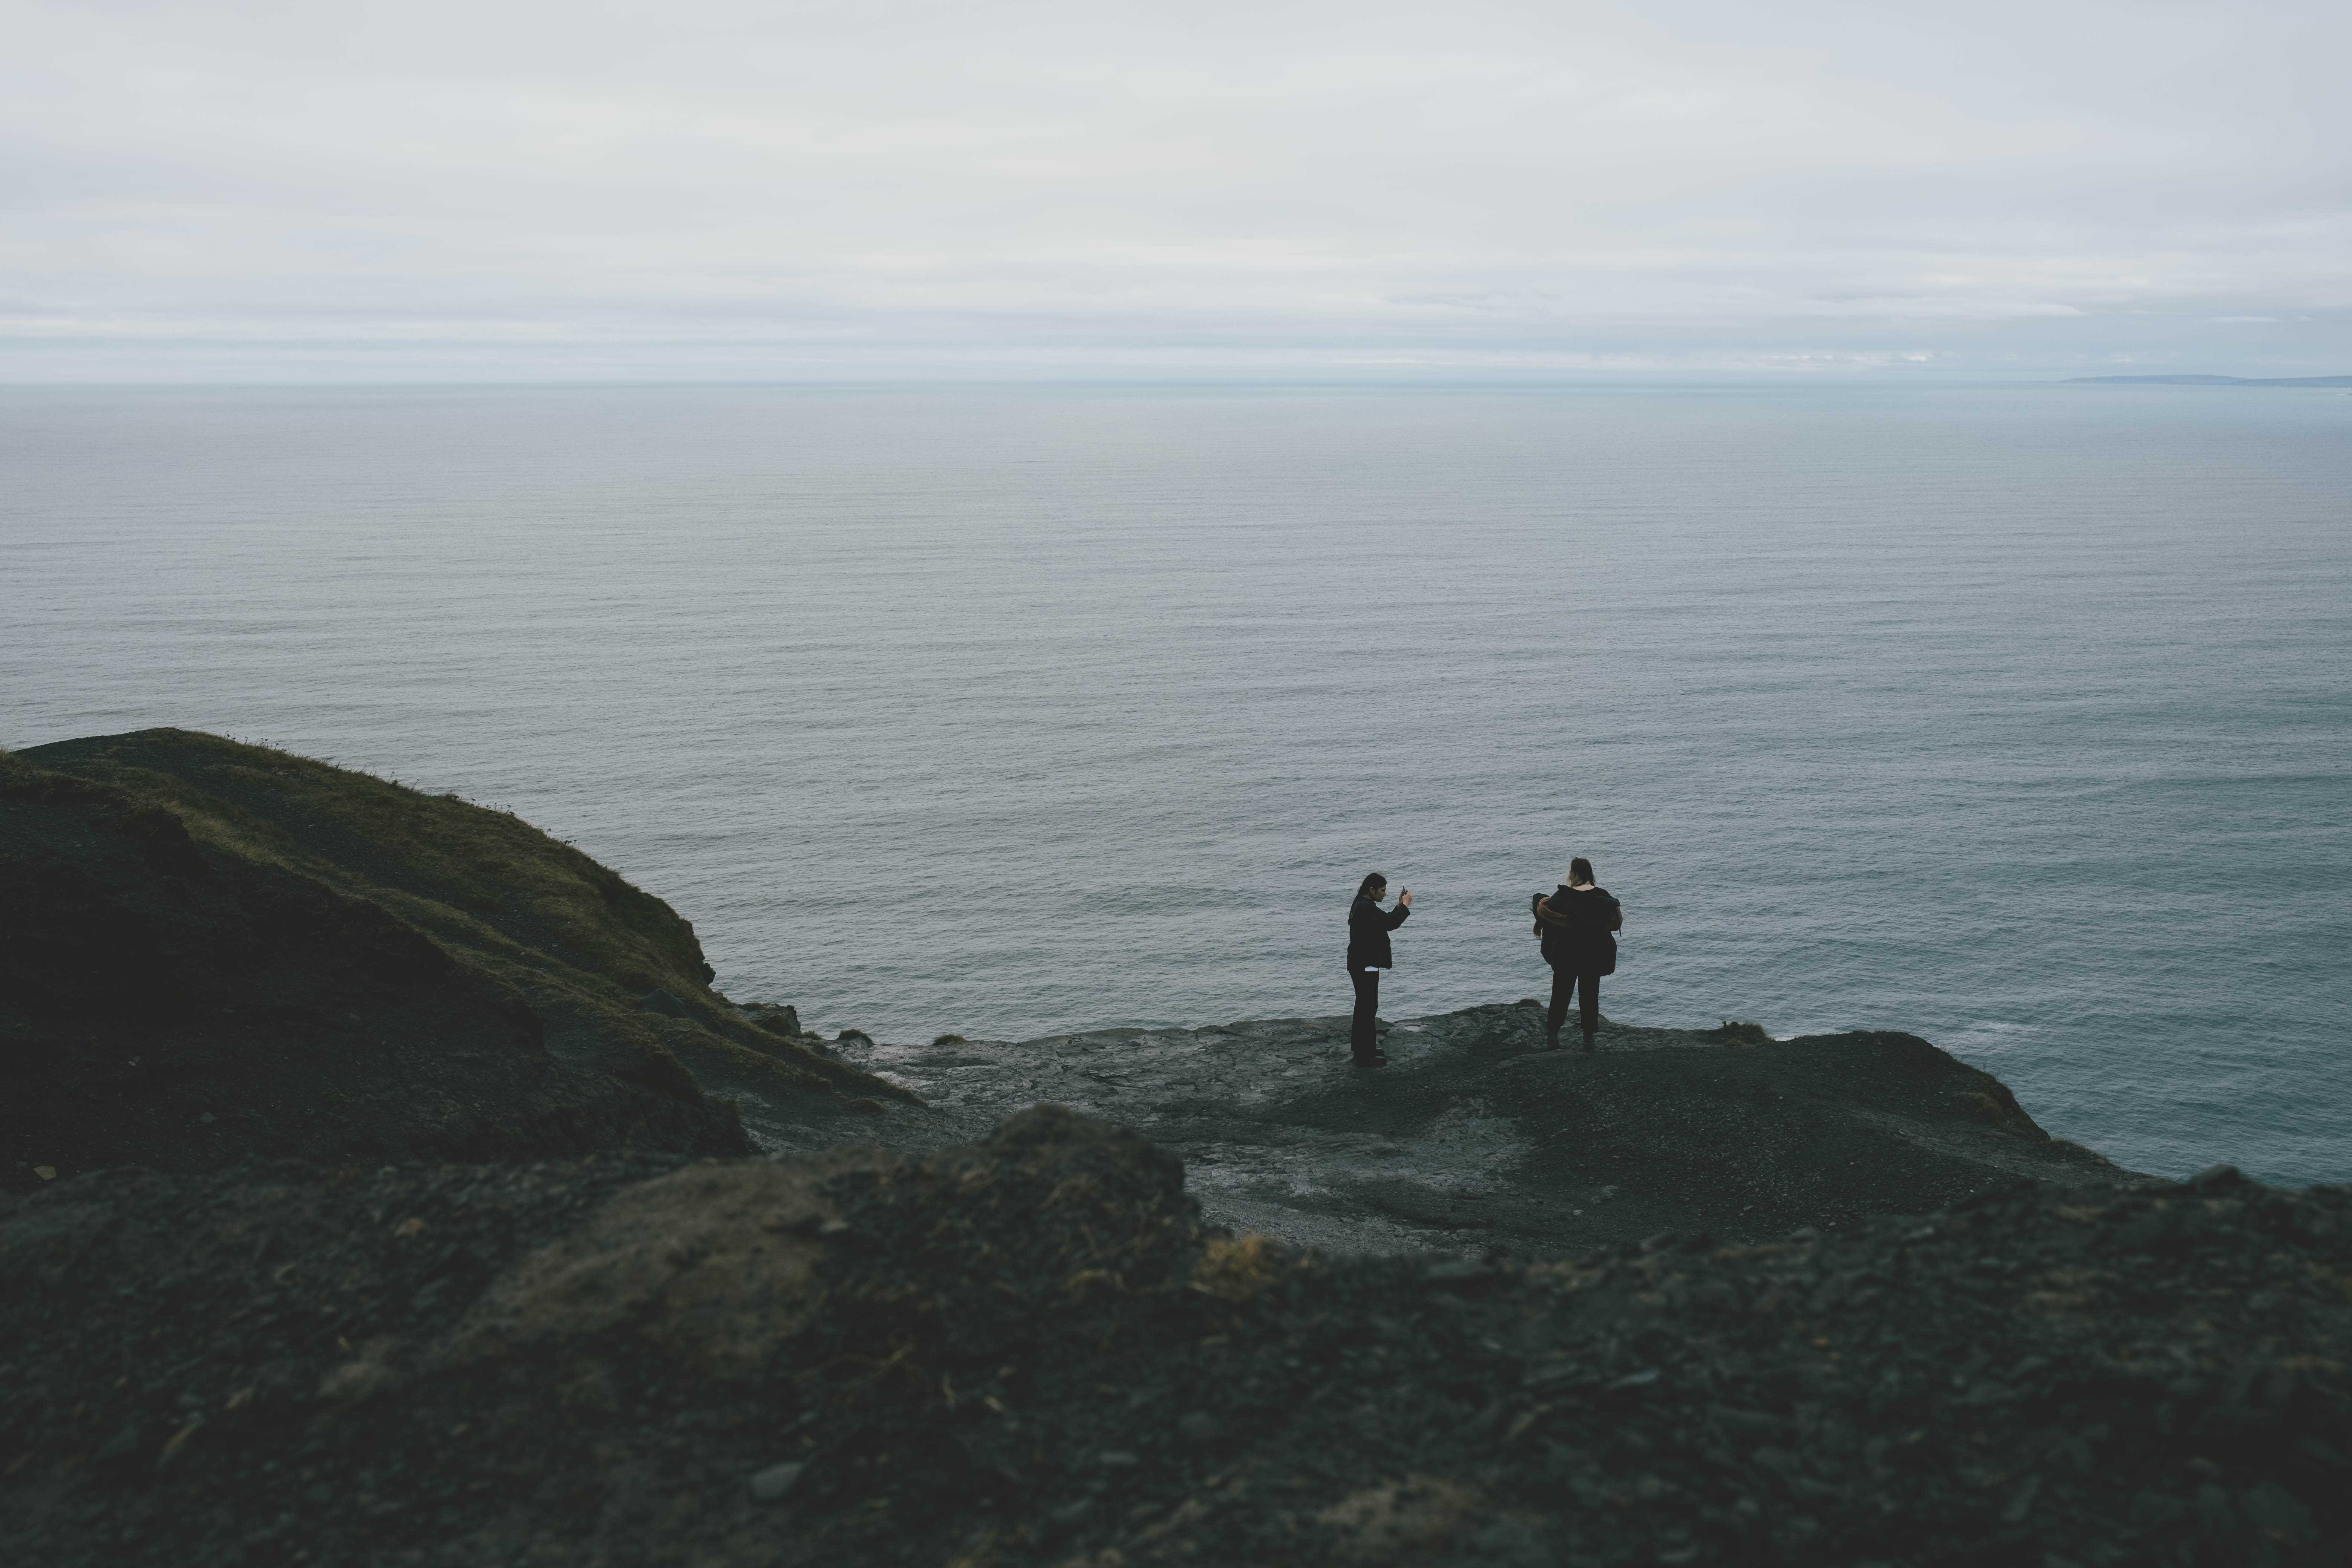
1579	870
1371	885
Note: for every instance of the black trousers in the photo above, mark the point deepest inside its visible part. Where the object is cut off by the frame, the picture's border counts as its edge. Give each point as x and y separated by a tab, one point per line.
1363	1039
1565	984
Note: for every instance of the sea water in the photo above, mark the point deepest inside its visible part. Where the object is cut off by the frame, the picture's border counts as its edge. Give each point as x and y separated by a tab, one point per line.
2017	717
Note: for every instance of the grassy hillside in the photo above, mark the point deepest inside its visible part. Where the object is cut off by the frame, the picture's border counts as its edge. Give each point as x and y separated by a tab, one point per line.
236	870
486	879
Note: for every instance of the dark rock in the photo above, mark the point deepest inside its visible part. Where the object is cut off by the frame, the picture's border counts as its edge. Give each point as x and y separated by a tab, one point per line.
1200	1426
127	1447
774	1483
663	1003
782	1020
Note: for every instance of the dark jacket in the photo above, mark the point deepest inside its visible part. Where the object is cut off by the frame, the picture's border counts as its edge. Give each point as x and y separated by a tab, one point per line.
1577	928
1368	934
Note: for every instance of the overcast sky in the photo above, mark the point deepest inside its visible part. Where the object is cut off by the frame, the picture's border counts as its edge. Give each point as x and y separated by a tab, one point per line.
515	188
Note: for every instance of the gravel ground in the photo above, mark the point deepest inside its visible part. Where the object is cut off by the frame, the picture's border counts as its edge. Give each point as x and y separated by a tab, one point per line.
1029	1349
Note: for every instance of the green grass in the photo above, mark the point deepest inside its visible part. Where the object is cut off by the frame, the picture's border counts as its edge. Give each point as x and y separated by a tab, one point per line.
580	942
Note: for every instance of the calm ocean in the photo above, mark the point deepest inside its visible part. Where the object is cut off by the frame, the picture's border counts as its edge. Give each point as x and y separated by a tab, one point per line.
2020	718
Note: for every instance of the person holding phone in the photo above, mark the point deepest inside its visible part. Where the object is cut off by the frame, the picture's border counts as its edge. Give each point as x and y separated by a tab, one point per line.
1577	921
1367	953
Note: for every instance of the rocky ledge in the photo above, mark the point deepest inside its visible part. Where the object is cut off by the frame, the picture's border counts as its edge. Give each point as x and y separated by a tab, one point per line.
1030	1350
1473	1136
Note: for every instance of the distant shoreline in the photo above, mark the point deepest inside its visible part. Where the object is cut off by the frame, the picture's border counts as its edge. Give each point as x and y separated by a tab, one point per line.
2208	380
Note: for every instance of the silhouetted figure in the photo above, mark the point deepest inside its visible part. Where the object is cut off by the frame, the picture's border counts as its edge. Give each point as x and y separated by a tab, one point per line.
1367	953
1576	921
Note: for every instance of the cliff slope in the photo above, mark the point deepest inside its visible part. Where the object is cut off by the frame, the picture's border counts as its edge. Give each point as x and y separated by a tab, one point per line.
212	950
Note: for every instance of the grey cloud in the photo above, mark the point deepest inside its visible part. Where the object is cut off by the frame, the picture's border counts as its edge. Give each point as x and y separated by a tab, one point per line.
703	187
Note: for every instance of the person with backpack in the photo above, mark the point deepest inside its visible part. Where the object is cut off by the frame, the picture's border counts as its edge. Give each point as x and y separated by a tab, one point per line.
1367	953
1576	921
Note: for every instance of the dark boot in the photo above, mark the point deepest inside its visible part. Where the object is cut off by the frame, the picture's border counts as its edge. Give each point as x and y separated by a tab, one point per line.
1551	1037
1588	1042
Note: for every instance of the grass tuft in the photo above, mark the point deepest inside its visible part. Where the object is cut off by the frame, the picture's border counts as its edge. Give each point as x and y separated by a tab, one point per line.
1237	1268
